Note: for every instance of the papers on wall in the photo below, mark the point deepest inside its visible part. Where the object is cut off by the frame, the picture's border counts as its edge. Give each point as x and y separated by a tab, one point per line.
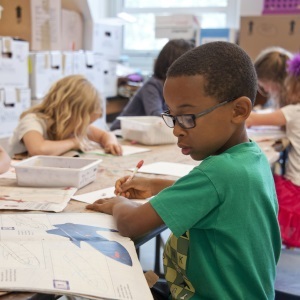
166	168
29	198
69	254
101	194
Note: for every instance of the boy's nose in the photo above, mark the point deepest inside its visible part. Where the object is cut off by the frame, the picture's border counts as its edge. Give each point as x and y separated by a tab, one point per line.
178	130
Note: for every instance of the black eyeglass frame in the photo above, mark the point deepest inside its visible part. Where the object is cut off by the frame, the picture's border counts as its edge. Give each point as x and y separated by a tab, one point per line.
193	116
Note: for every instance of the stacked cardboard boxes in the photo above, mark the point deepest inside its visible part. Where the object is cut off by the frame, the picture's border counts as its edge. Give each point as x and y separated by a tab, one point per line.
260	32
14	90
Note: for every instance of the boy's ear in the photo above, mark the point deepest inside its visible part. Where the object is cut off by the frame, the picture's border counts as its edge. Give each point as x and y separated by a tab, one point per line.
242	108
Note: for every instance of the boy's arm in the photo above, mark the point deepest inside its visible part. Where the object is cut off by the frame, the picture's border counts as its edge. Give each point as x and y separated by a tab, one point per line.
133	220
4	160
36	144
106	139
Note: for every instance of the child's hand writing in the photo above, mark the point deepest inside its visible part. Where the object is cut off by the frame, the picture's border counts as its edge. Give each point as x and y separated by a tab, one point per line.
137	188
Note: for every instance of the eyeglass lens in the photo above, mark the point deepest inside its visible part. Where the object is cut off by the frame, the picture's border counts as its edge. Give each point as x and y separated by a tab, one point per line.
185	121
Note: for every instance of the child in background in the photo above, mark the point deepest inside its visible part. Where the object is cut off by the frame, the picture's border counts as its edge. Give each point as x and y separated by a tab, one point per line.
288	185
62	122
4	161
149	99
270	66
225	239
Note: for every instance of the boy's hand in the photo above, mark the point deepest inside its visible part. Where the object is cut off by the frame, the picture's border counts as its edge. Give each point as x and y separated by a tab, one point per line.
137	188
105	205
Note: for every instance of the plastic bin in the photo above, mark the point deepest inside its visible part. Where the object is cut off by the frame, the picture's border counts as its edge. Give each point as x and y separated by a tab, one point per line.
56	171
148	130
281	7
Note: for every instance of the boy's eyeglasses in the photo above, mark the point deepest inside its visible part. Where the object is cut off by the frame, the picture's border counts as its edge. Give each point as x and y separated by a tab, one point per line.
187	121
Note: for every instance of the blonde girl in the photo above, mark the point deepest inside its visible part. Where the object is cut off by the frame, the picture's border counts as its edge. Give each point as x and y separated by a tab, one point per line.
270	66
62	122
288	185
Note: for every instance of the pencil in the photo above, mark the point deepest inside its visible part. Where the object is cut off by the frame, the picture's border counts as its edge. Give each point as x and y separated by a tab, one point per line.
140	163
138	166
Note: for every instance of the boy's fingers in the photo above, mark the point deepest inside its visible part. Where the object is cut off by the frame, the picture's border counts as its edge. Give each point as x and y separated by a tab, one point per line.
100	208
101	201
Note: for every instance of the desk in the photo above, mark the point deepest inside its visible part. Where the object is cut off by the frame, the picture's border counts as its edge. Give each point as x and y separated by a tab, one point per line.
113	167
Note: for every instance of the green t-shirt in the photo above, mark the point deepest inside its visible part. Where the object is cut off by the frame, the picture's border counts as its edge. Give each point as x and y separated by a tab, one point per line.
226	240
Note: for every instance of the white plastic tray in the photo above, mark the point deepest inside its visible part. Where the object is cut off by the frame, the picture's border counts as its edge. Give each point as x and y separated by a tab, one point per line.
57	171
147	130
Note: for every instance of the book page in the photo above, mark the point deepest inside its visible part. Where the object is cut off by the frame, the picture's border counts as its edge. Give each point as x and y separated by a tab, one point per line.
69	254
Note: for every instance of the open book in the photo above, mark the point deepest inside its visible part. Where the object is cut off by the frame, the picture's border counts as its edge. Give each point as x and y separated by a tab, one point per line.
69	254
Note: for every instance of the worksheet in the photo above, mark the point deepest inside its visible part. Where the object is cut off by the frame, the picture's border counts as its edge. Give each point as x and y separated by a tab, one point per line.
101	194
69	254
167	168
35	198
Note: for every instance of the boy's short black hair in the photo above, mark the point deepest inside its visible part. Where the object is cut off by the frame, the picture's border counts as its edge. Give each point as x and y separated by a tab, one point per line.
227	70
168	54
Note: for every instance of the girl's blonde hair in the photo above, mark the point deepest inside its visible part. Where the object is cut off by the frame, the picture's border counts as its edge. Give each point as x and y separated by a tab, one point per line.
67	107
270	66
292	82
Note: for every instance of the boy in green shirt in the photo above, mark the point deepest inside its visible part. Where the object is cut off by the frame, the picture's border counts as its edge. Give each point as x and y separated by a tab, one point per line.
225	239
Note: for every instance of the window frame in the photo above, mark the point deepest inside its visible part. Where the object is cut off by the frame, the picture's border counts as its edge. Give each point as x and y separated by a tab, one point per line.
232	21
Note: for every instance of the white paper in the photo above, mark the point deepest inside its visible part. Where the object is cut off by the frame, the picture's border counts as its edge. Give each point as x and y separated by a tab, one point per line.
101	194
127	150
72	254
46	25
93	196
265	133
166	168
29	198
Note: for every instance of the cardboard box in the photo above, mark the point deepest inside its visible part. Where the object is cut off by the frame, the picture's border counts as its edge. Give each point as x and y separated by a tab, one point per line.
217	34
103	37
36	21
45	69
110	79
72	30
13	62
13	101
67	63
260	32
177	27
